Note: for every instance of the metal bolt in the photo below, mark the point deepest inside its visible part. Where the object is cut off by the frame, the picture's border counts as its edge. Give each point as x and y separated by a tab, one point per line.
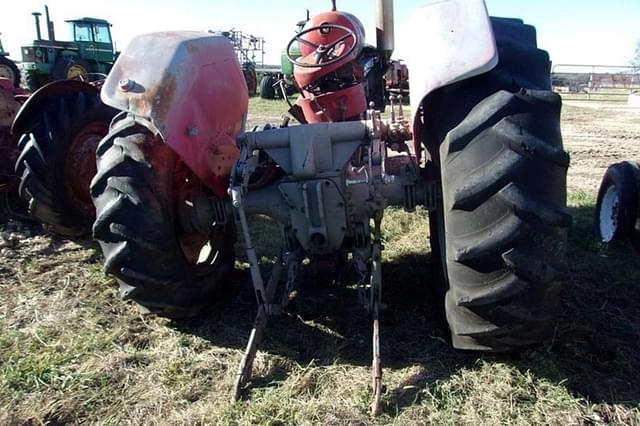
126	84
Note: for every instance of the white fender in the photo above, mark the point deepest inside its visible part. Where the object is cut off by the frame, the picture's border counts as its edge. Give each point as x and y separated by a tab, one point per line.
453	41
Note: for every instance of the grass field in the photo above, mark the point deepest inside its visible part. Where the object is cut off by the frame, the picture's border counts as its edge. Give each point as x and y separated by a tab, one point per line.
72	352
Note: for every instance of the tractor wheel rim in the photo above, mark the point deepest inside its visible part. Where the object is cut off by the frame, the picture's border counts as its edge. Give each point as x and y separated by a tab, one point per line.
76	71
80	165
609	209
7	72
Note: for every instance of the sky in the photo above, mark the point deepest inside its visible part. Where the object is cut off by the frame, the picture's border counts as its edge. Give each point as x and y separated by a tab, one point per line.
572	31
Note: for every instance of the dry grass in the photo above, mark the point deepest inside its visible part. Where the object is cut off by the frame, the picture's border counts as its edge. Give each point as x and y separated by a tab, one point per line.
71	352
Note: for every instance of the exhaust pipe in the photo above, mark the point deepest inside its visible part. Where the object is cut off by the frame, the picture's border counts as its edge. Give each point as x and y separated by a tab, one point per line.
384	28
36	16
50	31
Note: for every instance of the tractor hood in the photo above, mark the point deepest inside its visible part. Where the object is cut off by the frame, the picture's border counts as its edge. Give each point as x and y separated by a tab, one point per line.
189	86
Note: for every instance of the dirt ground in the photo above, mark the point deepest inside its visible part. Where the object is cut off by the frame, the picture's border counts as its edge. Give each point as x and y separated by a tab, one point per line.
597	135
72	352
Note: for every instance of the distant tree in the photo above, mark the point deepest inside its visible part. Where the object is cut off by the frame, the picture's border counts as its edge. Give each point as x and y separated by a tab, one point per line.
636	56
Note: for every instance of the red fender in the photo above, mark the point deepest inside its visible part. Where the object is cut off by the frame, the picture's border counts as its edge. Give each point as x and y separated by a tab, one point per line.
190	87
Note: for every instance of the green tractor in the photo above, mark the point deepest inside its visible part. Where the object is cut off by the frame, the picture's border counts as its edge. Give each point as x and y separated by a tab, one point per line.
90	53
8	68
272	83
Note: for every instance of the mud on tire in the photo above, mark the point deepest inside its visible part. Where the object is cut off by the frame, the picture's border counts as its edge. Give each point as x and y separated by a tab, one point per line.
137	227
503	174
57	161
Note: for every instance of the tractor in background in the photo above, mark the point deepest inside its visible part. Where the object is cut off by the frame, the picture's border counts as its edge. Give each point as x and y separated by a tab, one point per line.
178	174
89	56
281	83
8	68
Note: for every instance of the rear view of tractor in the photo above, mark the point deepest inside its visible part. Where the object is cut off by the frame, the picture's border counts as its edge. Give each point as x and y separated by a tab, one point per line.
178	175
88	56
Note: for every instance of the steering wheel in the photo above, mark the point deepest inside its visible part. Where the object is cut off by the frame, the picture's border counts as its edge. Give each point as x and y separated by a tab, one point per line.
322	51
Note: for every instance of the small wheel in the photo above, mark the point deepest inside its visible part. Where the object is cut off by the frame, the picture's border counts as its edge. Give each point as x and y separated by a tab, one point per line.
267	91
9	70
617	205
251	78
70	69
323	55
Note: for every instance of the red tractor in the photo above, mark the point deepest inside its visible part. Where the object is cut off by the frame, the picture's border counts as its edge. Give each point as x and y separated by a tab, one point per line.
178	173
11	98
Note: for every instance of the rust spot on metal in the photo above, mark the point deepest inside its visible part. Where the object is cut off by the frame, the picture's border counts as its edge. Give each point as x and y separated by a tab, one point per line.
163	95
80	165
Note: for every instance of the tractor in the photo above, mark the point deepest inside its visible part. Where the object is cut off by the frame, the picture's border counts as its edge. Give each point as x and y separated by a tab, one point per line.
178	175
89	56
8	68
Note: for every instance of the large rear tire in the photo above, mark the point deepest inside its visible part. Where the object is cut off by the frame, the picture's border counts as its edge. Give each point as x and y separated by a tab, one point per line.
503	175
251	77
57	161
157	264
9	70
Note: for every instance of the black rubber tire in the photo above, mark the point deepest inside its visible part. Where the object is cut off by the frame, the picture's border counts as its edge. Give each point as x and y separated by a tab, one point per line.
267	91
13	68
503	174
44	164
63	66
251	78
137	227
621	180
32	81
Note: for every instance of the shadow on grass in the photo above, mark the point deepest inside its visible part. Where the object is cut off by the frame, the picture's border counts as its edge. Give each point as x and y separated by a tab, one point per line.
595	352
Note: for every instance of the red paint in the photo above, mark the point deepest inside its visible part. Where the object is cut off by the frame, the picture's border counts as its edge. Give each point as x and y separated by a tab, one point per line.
339	105
191	87
343	105
306	76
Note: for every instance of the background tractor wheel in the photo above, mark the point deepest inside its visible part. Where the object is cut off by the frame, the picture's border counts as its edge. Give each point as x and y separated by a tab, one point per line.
57	161
503	175
267	91
136	193
70	69
250	76
617	205
9	70
33	81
